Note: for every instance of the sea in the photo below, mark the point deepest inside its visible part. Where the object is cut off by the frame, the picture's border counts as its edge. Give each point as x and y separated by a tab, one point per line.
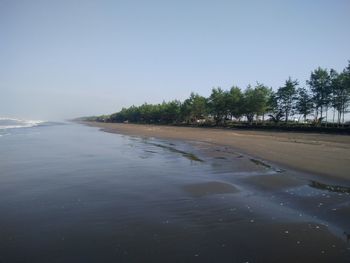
73	193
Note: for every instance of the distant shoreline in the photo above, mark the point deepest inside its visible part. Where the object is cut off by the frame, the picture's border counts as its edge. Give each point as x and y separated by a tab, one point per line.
320	154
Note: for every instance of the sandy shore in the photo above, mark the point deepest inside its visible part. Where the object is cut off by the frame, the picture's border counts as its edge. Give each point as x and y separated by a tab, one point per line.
320	154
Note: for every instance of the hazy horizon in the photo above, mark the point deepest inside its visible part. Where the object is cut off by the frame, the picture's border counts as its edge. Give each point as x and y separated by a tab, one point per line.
67	59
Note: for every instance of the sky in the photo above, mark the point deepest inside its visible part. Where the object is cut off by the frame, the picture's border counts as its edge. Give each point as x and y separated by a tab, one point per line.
68	58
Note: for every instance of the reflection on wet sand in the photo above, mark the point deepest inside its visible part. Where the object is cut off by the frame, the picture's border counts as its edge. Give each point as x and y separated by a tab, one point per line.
210	188
188	155
273	182
331	188
258	162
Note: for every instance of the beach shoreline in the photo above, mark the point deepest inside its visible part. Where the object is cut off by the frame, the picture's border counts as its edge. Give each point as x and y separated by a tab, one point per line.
326	156
147	197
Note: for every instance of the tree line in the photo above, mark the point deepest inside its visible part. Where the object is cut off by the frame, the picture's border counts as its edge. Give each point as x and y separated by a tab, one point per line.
324	99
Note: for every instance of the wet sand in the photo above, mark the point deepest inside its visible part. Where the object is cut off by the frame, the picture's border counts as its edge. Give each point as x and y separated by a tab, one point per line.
324	155
72	193
257	200
203	189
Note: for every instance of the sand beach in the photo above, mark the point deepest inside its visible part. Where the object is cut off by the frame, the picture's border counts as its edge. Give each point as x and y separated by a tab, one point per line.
324	155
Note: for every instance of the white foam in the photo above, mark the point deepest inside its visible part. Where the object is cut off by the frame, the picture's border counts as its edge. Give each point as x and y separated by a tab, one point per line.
18	123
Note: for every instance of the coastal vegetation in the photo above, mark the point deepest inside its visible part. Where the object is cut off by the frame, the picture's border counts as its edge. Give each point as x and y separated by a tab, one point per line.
323	102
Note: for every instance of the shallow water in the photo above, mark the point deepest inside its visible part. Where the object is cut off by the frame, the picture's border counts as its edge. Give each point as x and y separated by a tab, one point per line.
71	193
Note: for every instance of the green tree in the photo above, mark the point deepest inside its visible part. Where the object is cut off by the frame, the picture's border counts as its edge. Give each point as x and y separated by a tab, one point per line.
185	111
249	103
194	108
276	112
235	102
320	86
340	85
170	111
218	105
304	104
286	97
262	94
337	93
346	87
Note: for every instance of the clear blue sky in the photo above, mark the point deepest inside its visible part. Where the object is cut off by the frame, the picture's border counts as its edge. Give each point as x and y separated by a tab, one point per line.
66	58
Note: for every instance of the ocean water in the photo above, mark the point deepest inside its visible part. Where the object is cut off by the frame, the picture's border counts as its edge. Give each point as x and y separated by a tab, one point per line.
72	193
11	123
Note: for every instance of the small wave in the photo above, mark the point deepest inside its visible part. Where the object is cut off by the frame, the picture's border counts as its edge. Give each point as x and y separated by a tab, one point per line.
13	123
